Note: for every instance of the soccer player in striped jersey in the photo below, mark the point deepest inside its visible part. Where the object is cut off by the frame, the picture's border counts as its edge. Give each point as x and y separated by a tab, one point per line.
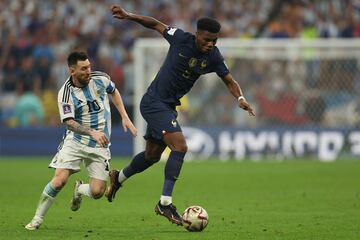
188	57
84	108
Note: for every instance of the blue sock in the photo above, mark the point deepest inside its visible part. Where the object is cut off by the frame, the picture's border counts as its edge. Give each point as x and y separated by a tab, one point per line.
49	190
137	165
172	171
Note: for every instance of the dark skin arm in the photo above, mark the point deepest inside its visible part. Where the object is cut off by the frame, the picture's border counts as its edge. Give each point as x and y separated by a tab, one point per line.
76	127
235	90
148	22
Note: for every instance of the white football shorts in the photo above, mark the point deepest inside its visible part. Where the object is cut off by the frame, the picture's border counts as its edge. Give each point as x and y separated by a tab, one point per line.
72	153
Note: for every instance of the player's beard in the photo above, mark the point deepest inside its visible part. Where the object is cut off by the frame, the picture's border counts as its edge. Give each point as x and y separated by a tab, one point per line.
84	80
206	50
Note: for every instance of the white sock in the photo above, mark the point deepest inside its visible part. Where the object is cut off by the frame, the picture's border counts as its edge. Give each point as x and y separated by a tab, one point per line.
165	200
84	189
44	204
122	177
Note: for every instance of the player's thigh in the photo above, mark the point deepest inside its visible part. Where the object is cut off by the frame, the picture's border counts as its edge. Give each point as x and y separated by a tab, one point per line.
97	163
61	177
62	173
69	156
176	141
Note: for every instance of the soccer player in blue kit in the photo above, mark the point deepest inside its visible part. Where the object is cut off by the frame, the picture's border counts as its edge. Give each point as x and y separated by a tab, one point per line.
189	56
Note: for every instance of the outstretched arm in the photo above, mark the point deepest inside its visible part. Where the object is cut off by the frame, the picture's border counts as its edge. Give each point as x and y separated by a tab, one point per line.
126	122
148	22
235	90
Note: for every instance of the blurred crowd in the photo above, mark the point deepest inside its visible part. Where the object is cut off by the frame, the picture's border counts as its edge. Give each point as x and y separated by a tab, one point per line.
37	35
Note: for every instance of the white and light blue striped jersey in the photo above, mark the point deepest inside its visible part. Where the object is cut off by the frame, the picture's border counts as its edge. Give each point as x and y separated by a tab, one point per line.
89	106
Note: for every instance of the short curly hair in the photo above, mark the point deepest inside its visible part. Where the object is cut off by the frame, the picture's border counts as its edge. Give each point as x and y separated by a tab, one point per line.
208	24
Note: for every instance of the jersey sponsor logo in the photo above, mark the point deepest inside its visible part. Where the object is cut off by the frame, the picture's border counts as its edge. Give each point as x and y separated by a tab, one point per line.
183	56
171	31
192	62
66	108
187	74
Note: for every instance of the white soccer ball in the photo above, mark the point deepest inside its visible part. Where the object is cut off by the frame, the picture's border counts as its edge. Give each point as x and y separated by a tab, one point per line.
195	219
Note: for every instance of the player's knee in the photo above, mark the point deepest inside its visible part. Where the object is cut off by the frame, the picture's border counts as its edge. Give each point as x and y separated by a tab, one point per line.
97	189
153	160
184	148
181	147
60	178
58	182
97	193
152	157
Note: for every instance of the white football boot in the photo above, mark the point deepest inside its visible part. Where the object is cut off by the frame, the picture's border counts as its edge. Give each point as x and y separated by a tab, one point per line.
34	224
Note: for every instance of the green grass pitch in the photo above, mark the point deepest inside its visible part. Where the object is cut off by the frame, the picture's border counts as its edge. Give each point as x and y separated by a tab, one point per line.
245	200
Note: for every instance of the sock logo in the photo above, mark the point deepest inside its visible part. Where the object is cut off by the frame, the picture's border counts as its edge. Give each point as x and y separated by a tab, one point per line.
174	123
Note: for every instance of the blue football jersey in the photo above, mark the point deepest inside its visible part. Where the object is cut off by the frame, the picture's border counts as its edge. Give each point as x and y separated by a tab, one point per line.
183	65
88	106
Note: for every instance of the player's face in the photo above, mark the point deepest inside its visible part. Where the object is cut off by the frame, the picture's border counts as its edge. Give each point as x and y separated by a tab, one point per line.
81	73
206	41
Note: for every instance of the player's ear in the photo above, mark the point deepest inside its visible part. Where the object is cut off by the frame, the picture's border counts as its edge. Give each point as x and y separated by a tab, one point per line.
71	70
197	34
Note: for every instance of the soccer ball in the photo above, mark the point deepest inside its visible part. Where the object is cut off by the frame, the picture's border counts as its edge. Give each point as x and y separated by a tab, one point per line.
195	219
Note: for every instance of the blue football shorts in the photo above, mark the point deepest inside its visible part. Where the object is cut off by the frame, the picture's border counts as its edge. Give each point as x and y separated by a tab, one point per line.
160	118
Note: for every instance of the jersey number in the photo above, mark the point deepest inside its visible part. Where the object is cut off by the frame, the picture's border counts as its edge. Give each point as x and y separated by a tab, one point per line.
93	106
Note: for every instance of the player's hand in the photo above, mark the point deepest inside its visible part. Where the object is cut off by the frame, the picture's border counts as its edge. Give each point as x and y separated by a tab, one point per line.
100	138
118	12
127	124
246	106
